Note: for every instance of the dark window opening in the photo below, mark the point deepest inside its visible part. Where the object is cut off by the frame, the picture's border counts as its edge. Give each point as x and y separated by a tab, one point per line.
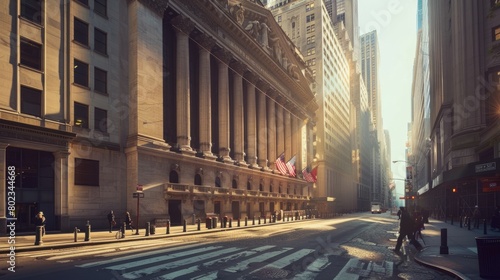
86	172
81	115
31	101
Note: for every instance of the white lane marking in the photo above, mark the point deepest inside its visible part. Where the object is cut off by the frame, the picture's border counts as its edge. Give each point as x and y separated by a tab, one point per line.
212	263
281	263
313	270
344	275
260	258
178	254
125	258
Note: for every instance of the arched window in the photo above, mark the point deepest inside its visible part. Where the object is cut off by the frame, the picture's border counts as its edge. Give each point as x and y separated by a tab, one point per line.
218	183
197	180
279	189
235	184
173	177
249	186
270	188
261	187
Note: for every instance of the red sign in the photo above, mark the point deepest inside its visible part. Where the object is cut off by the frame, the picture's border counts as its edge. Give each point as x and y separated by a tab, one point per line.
491	186
139	188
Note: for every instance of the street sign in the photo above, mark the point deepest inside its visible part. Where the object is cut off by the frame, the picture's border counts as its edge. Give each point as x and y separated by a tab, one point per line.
402	197
139	188
138	195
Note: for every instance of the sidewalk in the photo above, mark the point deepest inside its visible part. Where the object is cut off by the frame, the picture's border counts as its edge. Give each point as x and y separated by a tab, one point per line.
26	242
462	258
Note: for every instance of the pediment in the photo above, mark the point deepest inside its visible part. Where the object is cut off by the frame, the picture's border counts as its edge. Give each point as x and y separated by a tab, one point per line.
260	24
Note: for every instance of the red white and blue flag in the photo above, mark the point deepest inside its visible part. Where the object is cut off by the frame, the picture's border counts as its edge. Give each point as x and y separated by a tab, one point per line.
281	165
290	165
310	176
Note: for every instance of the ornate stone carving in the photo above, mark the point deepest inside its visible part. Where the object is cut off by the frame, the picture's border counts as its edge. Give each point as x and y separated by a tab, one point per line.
238	13
223	55
238	67
263	85
251	77
183	24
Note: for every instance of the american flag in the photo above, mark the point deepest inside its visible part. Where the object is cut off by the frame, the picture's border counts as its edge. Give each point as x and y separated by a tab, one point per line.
310	176
281	165
290	165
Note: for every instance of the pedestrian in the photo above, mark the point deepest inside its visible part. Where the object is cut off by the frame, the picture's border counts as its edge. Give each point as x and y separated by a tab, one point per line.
406	229
111	220
476	215
399	212
128	221
40	221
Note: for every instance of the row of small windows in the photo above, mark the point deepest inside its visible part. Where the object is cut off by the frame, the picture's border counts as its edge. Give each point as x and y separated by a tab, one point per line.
31	104
81	76
310	18
81	35
31	10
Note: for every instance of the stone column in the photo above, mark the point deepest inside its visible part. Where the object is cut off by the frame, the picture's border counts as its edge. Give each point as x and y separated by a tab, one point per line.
206	44
296	140
239	125
3	187
182	28
271	121
224	129
280	132
61	194
288	135
262	125
251	126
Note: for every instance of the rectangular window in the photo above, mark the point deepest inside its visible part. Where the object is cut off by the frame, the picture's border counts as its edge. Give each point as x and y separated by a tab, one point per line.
100	7
100	41
309	7
31	54
81	76
100	80
310	18
311	39
100	120
86	172
496	33
81	115
279	19
81	32
32	10
311	28
31	101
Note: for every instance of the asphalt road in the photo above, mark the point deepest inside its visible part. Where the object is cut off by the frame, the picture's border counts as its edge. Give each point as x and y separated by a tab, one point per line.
351	247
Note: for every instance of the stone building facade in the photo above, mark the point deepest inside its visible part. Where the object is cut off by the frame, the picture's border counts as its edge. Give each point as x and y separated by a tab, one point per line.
191	100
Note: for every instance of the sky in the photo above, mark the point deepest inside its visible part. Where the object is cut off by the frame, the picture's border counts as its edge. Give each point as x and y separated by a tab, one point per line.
395	22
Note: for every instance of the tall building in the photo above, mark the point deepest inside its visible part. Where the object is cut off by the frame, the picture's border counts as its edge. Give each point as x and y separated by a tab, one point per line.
370	57
310	28
463	140
191	102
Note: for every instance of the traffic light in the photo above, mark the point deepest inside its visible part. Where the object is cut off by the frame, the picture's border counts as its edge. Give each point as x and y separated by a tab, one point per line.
454	190
412	197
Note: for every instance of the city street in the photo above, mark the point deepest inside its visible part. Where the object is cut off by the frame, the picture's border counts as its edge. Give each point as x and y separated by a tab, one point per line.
355	246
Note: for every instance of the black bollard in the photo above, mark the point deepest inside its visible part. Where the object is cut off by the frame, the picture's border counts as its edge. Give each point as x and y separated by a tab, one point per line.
230	222
253	221
147	228
485	231
87	231
38	235
265	219
246	221
259	220
444	242
198	222
168	226
124	227
184	225
75	231
238	222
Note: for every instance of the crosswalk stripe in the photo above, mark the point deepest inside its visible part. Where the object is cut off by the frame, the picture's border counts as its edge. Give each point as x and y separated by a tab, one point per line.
281	263
171	265
313	269
344	275
125	258
260	258
142	262
225	259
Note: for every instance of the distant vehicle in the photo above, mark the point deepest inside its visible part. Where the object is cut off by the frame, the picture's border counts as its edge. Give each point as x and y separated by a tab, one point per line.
376	208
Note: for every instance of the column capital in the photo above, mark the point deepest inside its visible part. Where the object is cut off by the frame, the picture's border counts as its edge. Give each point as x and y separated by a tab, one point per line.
263	85
61	154
223	55
182	24
3	146
251	77
238	67
205	41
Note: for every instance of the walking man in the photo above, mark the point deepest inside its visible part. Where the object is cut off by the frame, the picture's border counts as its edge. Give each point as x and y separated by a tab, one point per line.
406	229
111	220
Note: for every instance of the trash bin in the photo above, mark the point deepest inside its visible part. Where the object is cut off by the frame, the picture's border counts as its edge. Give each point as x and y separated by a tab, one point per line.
488	253
208	222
